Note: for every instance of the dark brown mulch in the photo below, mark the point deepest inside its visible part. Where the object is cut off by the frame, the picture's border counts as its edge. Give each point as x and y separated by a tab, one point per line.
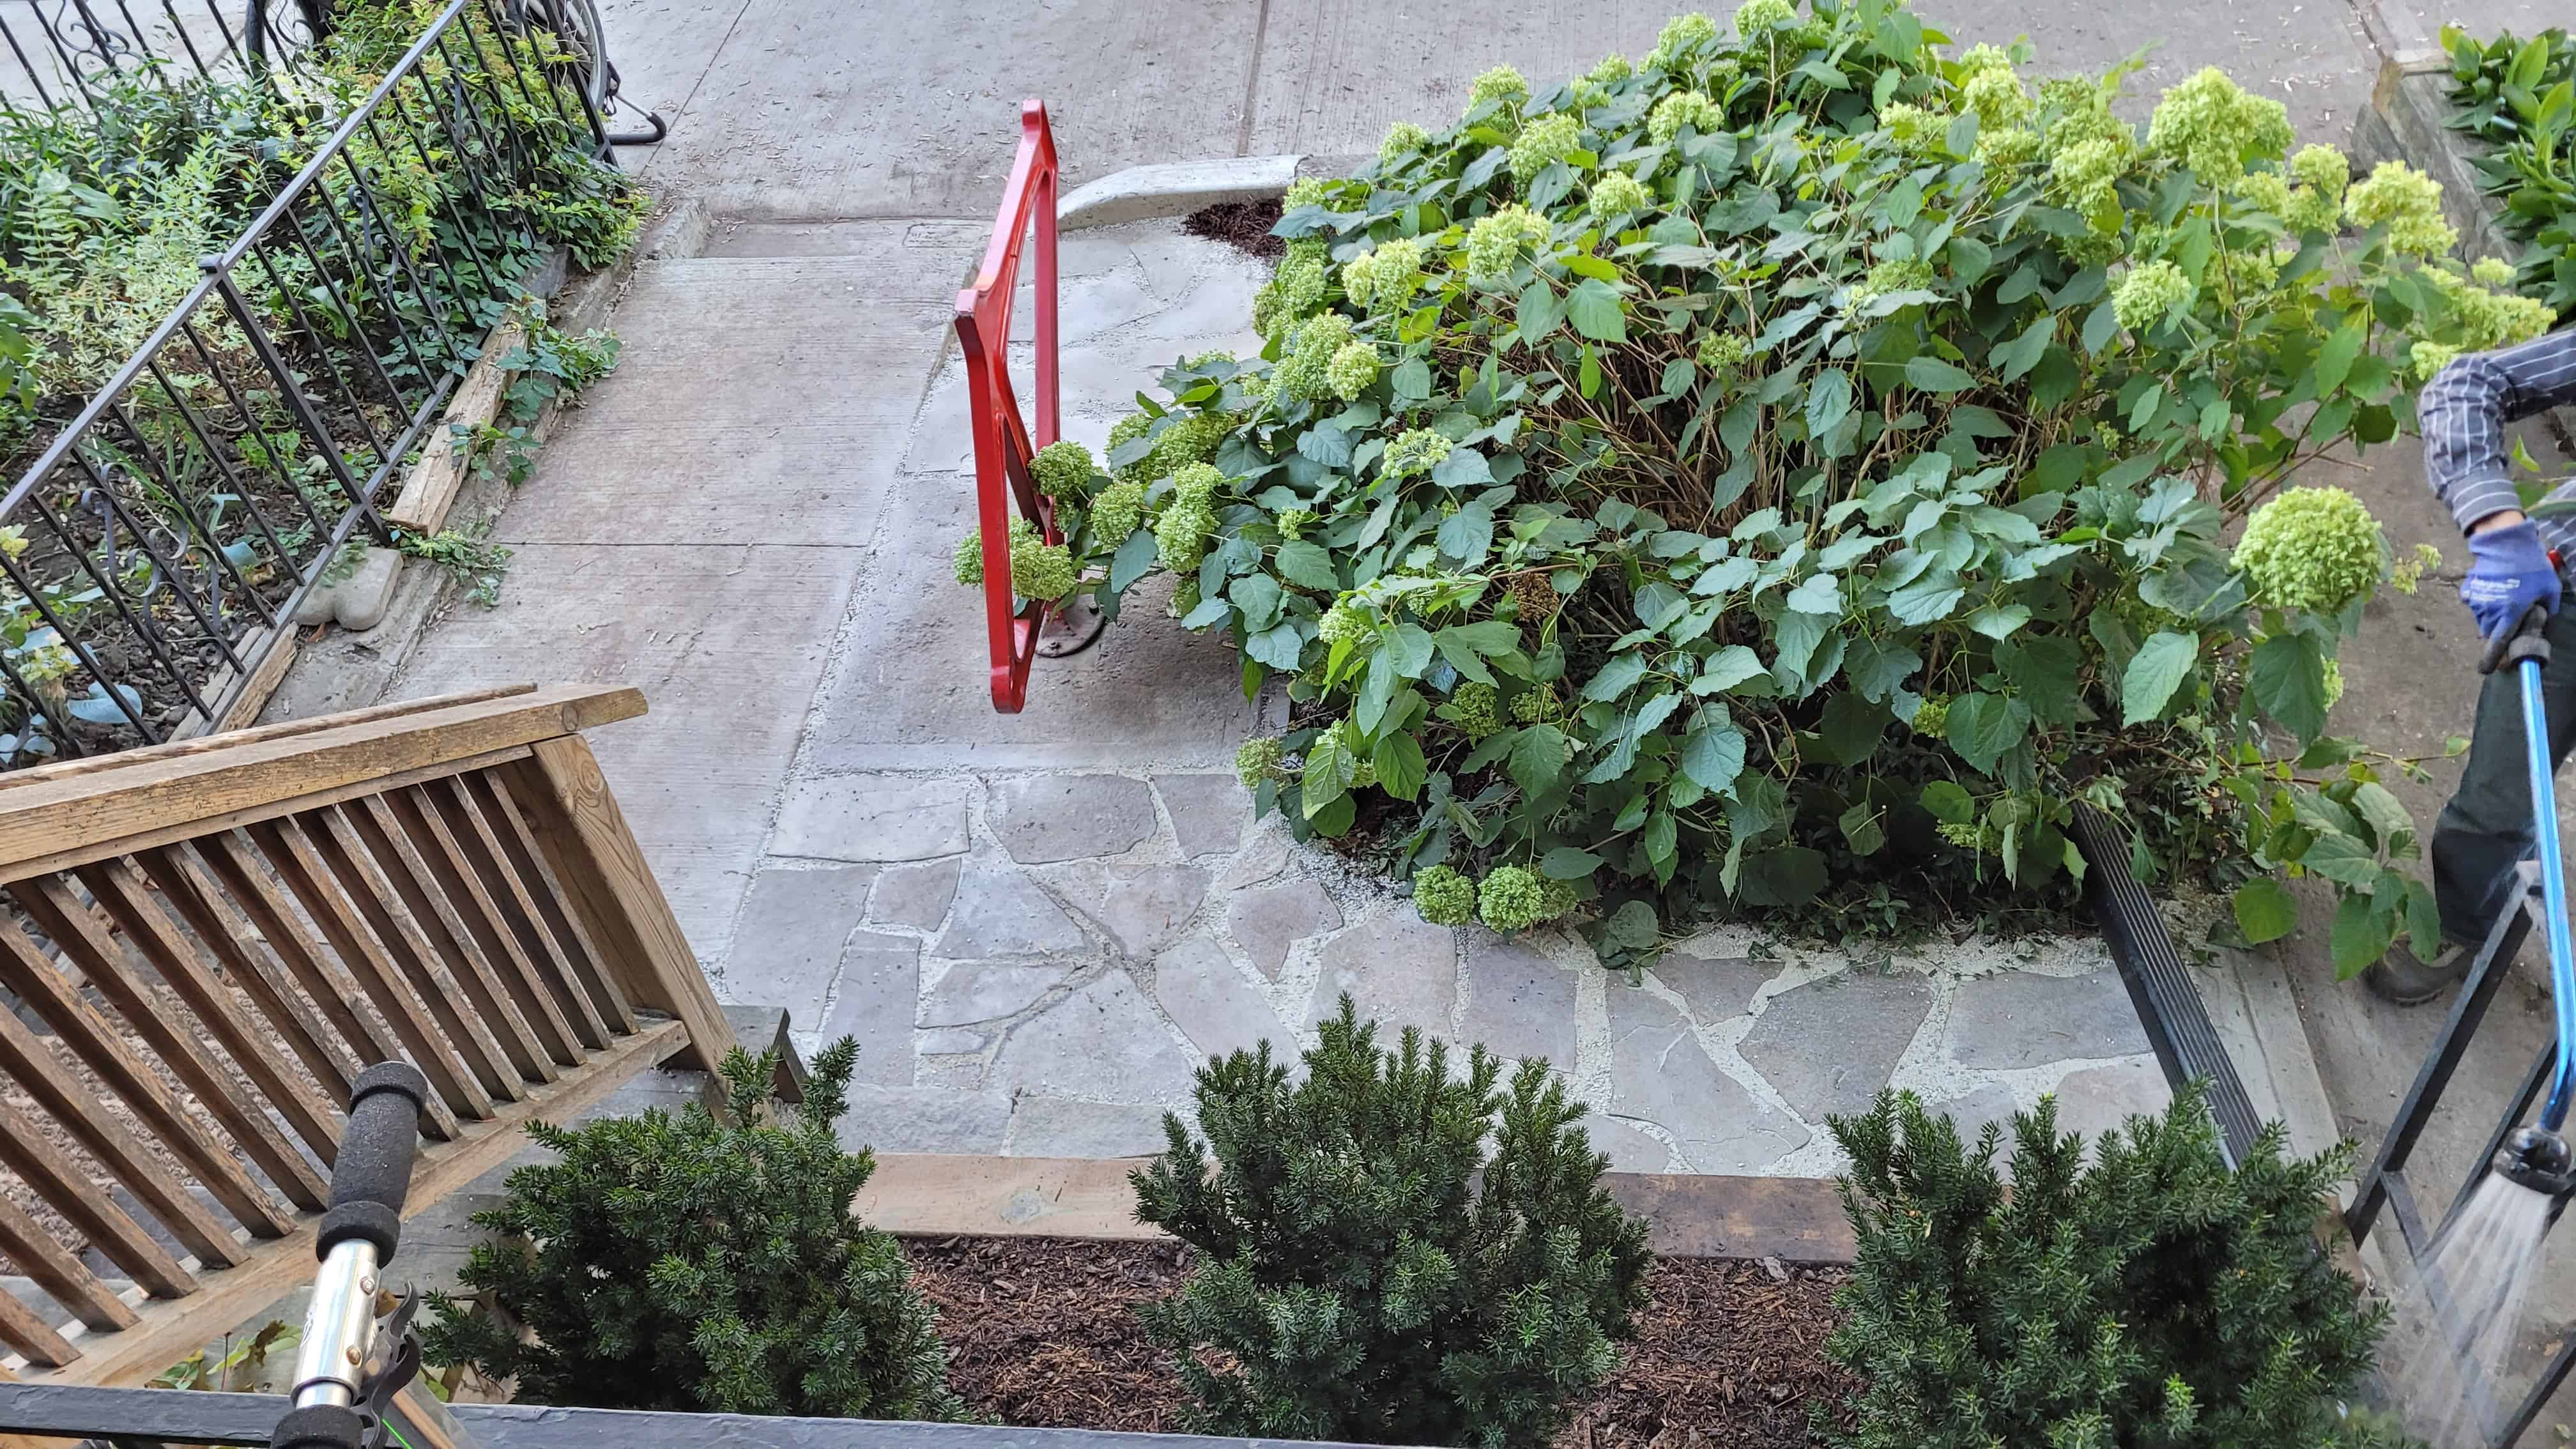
1243	224
1042	1331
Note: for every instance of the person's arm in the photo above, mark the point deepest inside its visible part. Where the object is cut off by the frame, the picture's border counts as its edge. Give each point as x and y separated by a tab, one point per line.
2465	410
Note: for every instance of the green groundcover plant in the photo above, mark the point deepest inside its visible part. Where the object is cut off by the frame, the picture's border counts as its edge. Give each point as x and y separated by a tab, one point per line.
1793	472
2151	1296
1389	1253
2518	98
701	1264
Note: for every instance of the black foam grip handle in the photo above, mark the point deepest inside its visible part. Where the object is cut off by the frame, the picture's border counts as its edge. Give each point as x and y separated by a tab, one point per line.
373	1173
320	1426
2503	643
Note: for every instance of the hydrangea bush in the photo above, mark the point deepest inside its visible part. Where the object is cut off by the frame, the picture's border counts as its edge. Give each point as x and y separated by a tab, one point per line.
1793	471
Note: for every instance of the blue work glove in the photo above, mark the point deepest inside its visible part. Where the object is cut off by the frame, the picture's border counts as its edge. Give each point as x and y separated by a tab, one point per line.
2509	573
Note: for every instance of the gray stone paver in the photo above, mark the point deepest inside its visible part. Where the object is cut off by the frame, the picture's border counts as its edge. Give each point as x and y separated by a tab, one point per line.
1267	920
1046	1126
1208	811
915	895
1519	1003
1830	1045
1039	818
879	976
1208	999
798	921
1142	907
2094	1099
974	992
1665	1076
1103	1042
1000	912
1714	987
2018	1019
1397	968
925	1119
872	817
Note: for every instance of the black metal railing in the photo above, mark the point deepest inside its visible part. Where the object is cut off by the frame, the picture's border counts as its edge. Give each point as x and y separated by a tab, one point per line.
71	52
158	544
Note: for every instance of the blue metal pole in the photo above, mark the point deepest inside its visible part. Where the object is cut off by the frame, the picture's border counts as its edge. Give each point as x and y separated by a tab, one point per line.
2553	891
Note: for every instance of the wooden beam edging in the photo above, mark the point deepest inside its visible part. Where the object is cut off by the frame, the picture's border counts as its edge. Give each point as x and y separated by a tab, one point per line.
171	1329
1688	1215
229	739
71	820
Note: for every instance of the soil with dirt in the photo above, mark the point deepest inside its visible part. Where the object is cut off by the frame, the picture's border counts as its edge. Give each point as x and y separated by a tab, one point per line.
1241	224
1043	1332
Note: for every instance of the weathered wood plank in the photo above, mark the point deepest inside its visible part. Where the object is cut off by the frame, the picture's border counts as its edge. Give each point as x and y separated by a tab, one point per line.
430	488
234	739
245	876
297	1023
441	908
132	905
51	903
529	863
22	1330
363	881
416	811
69	821
99	1044
68	1101
55	1270
552	977
291	854
64	1184
595	857
169	1331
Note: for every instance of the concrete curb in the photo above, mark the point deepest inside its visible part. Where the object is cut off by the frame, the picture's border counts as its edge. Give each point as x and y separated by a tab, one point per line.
1173	188
1688	1215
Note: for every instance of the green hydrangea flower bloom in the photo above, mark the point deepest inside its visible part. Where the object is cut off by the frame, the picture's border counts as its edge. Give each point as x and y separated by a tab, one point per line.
1363	773
2212	125
1979	60
1443	897
1685	108
2431	357
1916	131
1612	70
1304	191
1063	470
2487	320
1532	706
2012	146
1352	368
1904	276
2088	175
1502	83
1127	430
1472	708
1341	622
1402	140
1041	571
2323	169
2408	575
1680	36
1511	898
1931	717
1414	451
1181	535
1190	437
1294	291
1185	596
1755	17
1306	372
2492	272
1555	898
1499	239
1294	523
2149	290
1997	97
1197	483
2315	549
2408	203
1617	193
1257	759
968	560
1547	139
1724	351
1388	275
1117	511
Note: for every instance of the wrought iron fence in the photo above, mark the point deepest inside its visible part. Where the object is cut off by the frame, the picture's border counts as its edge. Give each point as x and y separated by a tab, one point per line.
157	546
67	51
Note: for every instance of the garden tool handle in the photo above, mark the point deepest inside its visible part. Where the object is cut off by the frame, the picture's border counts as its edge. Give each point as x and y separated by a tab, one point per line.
2522	641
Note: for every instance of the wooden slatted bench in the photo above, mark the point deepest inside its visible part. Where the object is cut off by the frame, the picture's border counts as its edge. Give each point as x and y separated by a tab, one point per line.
216	934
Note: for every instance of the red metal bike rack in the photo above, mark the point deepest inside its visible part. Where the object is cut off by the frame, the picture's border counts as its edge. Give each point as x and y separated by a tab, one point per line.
1003	447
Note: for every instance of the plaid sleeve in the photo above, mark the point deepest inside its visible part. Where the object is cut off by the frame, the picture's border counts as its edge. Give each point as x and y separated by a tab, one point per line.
2465	409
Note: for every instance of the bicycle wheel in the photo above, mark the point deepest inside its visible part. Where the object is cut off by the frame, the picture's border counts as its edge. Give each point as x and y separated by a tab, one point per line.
579	35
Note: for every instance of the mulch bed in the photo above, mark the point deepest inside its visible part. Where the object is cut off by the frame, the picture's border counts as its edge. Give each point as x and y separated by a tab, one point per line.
1242	224
1042	1331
